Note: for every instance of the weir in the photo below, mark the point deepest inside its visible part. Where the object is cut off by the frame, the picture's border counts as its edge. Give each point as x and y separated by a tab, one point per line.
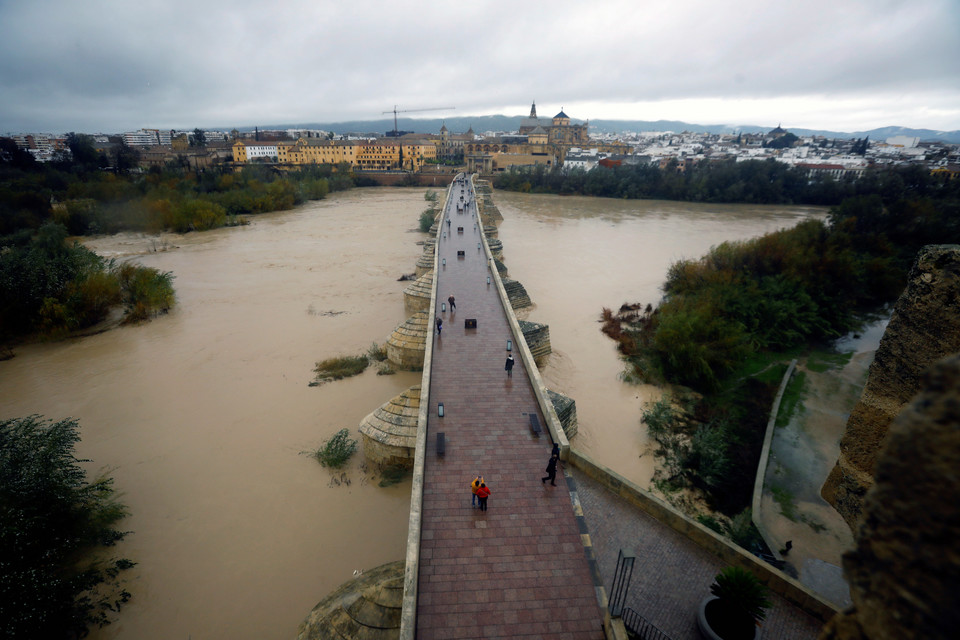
519	567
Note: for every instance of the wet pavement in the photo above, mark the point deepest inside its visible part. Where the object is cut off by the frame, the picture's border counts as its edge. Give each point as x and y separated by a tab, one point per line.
519	568
671	574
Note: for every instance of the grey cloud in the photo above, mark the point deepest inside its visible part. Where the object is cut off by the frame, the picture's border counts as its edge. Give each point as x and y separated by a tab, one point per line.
120	65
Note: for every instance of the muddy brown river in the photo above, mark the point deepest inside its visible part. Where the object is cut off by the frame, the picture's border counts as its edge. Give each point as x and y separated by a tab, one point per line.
203	416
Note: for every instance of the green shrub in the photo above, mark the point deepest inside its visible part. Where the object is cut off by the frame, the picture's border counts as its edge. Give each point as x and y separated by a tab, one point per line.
341	367
336	451
742	531
393	474
426	219
145	291
56	581
377	352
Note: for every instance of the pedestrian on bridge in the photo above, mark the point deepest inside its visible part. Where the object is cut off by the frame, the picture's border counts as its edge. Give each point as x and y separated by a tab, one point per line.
452	301
439	325
551	471
508	367
474	487
482	494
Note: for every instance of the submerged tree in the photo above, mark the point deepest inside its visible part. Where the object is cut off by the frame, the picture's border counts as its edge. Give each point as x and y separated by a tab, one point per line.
55	581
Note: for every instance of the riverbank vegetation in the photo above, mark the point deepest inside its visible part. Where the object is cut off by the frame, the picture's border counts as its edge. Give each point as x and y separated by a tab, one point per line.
728	320
55	526
429	215
78	193
340	367
51	287
749	182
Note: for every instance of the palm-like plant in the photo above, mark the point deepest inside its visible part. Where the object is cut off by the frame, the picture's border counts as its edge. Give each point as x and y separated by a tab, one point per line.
739	589
740	604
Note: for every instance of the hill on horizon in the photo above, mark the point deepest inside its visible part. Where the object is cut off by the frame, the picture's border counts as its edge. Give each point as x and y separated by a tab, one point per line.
480	124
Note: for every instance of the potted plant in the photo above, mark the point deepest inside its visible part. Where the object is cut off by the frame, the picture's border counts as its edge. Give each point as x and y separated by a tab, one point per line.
735	609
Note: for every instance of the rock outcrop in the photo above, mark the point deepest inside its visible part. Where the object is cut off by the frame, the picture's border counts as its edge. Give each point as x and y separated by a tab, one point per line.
904	573
366	608
924	327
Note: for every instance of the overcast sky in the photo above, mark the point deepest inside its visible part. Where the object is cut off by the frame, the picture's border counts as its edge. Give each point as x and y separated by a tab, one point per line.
110	66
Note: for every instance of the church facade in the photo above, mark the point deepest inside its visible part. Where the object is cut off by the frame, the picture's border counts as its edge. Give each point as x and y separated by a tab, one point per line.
535	143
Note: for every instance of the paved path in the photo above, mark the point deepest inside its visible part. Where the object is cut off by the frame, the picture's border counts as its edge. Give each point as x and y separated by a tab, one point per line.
671	574
519	569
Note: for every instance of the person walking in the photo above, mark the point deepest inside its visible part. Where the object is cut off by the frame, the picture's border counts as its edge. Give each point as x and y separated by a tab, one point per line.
439	325
482	494
452	301
474	487
508	367
551	470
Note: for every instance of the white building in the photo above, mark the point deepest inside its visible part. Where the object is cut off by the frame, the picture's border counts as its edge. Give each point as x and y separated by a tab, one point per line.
903	141
261	150
143	138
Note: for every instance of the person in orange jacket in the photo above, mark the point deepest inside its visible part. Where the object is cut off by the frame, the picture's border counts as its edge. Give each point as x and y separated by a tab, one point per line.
474	486
482	494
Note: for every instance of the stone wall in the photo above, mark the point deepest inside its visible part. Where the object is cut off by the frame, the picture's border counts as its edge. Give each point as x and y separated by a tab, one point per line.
924	327
416	297
904	574
713	542
390	432
517	294
537	336
368	606
424	263
407	344
566	409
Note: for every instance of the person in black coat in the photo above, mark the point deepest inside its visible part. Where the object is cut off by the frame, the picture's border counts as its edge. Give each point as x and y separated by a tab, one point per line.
508	367
551	470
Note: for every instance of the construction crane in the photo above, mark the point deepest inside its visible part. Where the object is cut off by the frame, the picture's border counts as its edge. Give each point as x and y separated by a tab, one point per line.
395	111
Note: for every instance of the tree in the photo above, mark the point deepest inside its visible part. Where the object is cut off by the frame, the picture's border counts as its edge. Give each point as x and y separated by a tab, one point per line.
125	157
198	139
782	142
84	153
51	519
14	156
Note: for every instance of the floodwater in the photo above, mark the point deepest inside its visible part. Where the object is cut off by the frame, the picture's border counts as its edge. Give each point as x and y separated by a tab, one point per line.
576	255
202	415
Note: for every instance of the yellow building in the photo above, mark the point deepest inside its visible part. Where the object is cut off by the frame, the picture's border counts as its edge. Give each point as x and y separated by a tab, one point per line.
313	151
180	143
379	155
383	155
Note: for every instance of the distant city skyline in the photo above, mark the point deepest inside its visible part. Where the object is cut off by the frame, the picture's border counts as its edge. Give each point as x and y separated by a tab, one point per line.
841	65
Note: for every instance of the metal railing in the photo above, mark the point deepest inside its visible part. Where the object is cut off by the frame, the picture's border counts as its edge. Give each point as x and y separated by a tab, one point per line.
638	626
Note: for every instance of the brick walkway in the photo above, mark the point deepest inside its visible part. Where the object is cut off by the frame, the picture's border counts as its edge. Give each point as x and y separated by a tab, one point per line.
671	574
519	569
